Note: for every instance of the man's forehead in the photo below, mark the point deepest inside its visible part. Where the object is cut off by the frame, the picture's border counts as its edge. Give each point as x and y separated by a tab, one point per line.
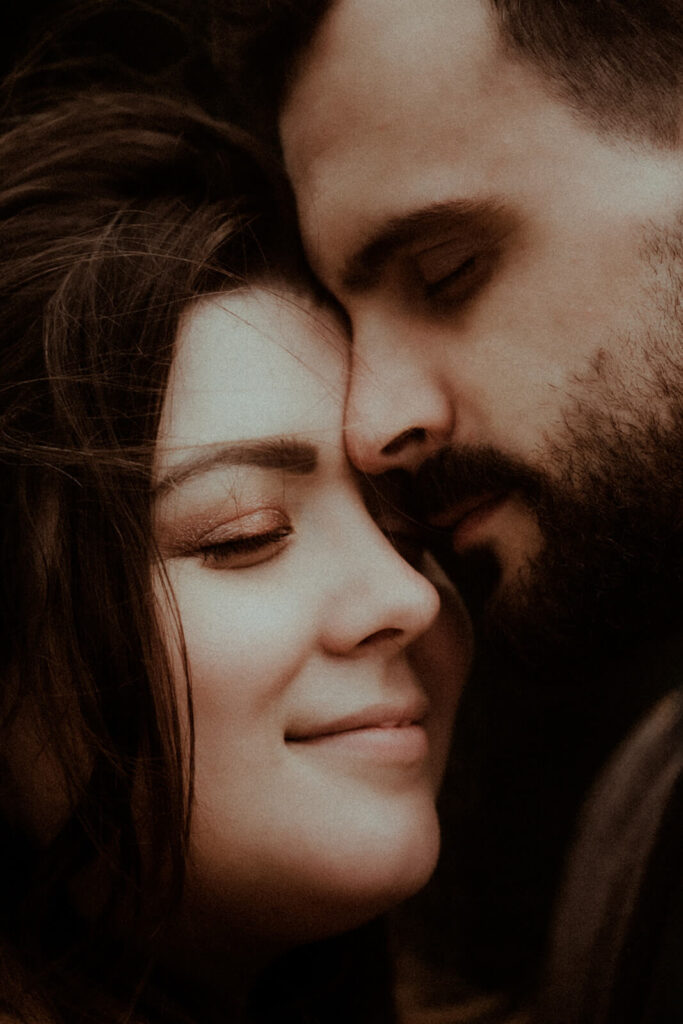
360	71
363	31
381	82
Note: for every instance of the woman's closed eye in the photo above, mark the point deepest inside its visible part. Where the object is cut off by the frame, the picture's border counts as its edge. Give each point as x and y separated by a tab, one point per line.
218	541
245	550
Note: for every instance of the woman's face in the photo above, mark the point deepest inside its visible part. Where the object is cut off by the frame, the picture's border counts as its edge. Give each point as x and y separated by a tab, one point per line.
321	723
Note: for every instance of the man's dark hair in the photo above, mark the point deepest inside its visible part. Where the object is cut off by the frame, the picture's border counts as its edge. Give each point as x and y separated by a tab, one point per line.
618	61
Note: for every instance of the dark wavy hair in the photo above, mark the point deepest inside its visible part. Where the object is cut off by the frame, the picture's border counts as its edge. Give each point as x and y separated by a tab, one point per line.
116	211
620	62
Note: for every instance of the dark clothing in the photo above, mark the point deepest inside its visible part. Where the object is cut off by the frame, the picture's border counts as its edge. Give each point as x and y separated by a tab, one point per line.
617	951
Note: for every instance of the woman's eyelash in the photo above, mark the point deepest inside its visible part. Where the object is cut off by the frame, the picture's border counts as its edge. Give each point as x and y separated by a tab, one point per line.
246	550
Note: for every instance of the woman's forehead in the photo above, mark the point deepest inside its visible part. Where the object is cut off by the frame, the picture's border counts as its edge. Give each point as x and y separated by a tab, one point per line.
263	362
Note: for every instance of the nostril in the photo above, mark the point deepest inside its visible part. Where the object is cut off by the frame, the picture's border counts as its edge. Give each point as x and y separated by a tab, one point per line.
380	635
414	435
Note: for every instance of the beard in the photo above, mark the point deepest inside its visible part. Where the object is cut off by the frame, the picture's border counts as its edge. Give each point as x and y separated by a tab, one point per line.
607	497
609	574
564	649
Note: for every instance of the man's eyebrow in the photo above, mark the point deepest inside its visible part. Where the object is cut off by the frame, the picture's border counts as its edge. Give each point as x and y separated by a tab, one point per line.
460	215
284	453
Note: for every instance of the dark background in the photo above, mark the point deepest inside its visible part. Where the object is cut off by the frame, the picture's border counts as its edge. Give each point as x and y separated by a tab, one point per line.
162	45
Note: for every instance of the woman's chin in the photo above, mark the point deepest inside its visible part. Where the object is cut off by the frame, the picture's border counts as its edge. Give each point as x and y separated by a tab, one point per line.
384	870
326	884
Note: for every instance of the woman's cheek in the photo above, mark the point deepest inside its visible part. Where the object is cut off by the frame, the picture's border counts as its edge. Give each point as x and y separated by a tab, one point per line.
245	635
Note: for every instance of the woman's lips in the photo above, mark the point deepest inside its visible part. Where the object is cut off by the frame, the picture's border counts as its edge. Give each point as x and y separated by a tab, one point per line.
382	734
390	744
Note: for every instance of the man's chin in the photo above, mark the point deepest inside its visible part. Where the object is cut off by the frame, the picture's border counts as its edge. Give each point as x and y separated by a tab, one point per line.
521	623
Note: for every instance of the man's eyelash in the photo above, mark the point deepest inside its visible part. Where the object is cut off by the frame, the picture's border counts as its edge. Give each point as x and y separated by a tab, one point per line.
462	272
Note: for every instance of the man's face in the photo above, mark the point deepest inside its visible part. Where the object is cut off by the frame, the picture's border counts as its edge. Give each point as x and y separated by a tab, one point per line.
513	281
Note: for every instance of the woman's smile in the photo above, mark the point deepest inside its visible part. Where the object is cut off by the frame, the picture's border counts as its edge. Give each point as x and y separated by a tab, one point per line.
381	733
405	744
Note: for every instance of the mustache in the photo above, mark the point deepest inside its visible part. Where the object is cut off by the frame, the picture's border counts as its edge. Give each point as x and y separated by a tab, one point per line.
452	475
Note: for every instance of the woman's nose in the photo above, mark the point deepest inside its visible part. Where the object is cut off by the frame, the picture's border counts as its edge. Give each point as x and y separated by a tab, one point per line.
377	598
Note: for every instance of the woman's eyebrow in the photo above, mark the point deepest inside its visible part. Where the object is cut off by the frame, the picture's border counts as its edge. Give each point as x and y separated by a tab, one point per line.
284	453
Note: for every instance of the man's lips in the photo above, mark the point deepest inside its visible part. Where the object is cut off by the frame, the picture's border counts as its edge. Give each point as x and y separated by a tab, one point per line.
467	514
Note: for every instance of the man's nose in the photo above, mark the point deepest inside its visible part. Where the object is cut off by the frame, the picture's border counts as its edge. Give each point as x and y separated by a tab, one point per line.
399	409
